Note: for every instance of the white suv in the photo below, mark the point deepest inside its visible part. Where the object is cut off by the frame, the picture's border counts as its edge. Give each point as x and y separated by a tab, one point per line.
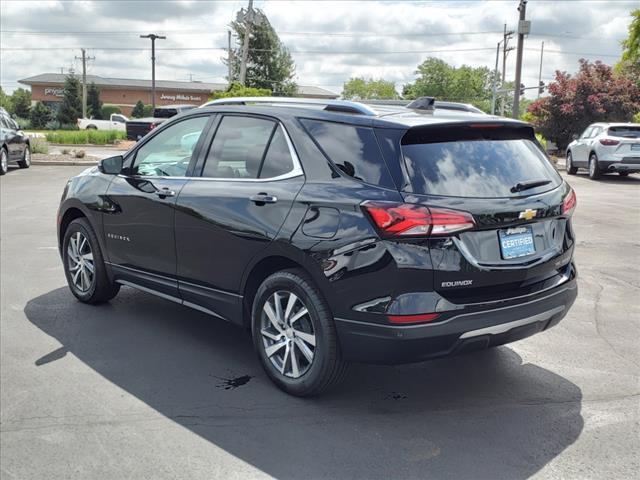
606	148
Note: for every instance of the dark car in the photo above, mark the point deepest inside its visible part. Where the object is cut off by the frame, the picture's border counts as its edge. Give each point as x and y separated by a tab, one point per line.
139	127
334	233
14	144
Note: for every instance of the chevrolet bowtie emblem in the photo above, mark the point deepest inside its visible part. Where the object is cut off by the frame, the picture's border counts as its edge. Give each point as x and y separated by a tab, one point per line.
528	214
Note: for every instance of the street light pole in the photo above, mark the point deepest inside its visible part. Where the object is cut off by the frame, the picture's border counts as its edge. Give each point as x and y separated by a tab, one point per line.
523	29
495	81
153	38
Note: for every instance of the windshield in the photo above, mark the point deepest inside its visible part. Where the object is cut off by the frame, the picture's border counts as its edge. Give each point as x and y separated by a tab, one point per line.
488	168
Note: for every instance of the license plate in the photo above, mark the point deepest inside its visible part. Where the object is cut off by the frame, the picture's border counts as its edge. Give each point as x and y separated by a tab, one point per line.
516	242
635	147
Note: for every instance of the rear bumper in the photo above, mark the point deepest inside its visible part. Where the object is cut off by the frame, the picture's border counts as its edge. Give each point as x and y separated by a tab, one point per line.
627	164
391	344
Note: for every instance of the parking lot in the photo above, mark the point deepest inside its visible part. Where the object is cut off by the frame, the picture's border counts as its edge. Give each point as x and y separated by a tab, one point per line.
144	388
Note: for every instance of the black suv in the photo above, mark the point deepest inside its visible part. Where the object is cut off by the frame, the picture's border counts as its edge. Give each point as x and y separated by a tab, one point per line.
334	232
14	144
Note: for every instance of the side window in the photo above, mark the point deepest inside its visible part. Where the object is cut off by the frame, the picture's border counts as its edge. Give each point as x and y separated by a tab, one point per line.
278	160
238	147
595	132
119	119
353	149
170	151
586	133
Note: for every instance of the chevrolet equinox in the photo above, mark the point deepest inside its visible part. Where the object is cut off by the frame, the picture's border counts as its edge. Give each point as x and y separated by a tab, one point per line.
333	231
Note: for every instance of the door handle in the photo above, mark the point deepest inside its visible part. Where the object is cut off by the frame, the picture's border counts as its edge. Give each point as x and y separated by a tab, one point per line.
165	192
262	198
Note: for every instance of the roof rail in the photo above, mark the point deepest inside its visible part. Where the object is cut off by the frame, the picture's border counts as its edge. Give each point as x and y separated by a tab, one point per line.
329	105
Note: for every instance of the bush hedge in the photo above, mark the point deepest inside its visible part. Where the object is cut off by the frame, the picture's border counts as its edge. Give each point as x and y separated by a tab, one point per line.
79	137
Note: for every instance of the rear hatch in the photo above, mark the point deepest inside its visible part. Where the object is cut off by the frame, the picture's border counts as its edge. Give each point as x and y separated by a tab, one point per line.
625	139
521	239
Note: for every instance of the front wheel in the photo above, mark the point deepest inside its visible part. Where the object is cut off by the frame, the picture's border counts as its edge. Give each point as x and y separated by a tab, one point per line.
295	336
26	158
4	161
571	169
594	168
84	266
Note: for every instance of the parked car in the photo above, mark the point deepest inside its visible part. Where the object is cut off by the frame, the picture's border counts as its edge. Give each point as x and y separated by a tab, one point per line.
14	144
606	148
334	233
116	121
139	127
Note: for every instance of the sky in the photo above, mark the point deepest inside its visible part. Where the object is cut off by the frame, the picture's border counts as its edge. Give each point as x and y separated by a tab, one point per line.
330	41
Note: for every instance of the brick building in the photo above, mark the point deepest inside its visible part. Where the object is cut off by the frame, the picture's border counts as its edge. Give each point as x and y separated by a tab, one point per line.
125	92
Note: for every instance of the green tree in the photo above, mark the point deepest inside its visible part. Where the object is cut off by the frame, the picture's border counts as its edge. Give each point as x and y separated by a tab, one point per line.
594	94
40	114
436	78
21	103
94	104
359	88
269	63
238	90
107	110
71	106
5	101
148	111
138	110
629	65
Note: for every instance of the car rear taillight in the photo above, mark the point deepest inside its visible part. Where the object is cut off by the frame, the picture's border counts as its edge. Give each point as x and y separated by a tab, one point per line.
152	126
569	203
609	142
405	219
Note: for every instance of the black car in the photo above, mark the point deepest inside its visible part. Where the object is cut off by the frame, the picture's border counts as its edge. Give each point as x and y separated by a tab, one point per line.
334	233
14	144
139	127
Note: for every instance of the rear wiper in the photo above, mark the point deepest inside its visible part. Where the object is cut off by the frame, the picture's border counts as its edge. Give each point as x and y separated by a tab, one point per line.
520	186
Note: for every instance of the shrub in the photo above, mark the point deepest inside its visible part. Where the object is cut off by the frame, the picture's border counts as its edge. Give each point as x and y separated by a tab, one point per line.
40	115
23	123
636	118
79	153
80	137
148	111
107	110
38	145
138	110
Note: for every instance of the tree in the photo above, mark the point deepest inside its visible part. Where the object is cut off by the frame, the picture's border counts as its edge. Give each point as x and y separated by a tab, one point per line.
94	104
269	63
71	106
629	65
436	78
236	89
594	94
40	115
5	101
21	103
359	88
138	110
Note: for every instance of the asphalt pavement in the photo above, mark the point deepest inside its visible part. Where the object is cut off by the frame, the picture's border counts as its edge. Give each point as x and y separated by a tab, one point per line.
143	388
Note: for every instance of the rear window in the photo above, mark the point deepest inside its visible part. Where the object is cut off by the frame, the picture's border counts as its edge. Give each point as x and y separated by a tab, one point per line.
473	163
353	149
627	132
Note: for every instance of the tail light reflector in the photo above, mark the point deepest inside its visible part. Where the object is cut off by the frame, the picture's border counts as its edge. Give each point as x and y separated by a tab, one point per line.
404	219
569	203
609	142
422	317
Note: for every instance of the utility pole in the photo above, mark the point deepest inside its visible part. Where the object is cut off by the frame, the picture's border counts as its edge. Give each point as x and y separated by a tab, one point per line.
505	51
523	29
153	38
229	58
84	59
495	81
248	18
540	71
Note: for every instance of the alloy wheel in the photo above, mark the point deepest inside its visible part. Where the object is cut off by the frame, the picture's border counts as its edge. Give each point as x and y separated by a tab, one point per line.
288	334
27	157
4	161
80	262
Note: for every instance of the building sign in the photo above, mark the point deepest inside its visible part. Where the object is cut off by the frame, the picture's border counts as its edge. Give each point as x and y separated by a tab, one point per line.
55	92
180	96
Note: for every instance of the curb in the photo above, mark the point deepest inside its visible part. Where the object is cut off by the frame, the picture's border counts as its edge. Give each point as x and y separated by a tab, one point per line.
64	163
84	145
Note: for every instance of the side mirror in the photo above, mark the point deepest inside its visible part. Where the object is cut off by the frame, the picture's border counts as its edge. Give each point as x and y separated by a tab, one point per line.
111	165
575	136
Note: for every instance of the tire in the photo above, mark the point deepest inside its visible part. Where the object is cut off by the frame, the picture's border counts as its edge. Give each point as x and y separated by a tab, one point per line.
623	174
91	127
4	161
571	169
26	158
92	288
594	168
308	377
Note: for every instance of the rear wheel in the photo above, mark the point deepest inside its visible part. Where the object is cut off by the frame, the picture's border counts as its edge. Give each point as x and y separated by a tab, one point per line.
294	334
26	158
4	161
571	169
84	265
91	127
594	168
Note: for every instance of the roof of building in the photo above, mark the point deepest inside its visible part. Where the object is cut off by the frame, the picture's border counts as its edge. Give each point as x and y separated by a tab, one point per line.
58	78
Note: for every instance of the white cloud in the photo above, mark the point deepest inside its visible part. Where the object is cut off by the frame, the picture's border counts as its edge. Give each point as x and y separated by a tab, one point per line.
570	29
